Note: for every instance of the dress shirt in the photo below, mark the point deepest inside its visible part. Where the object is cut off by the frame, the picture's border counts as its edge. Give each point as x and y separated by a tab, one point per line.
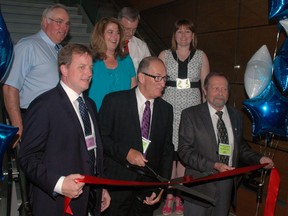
72	95
226	119
138	50
34	69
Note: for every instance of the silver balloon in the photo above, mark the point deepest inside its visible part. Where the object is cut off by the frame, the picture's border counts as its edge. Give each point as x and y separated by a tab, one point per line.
258	72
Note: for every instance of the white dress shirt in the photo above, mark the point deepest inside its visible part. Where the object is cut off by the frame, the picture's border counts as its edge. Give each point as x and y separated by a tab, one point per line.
138	50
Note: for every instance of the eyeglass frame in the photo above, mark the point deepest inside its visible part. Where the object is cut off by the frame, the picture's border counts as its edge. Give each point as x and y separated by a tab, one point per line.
157	78
60	22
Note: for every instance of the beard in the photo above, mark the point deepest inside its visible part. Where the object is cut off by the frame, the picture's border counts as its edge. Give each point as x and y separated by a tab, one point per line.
219	101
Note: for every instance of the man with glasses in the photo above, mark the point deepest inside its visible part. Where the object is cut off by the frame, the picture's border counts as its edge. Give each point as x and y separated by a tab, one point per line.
34	68
131	144
137	49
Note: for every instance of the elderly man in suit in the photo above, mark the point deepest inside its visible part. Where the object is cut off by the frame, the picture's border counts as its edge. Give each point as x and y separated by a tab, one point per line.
204	150
122	127
59	145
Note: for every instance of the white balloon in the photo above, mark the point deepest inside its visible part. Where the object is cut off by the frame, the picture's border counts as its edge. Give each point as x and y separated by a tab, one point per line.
258	72
284	24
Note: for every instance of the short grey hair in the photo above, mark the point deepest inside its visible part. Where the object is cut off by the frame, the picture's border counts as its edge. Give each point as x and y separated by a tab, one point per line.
129	13
47	12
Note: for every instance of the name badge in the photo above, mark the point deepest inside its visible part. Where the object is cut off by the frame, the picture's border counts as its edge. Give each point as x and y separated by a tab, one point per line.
90	142
182	83
145	144
224	149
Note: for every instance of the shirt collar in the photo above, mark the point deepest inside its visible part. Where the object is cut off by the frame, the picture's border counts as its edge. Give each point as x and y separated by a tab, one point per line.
213	111
141	98
45	37
71	93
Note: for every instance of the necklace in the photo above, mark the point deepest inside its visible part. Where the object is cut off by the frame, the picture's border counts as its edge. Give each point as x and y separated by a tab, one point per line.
183	59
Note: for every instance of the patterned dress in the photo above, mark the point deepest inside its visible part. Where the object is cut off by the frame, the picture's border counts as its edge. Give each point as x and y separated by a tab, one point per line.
182	98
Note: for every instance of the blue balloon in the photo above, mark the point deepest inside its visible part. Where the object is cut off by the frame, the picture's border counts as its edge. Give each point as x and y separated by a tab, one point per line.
7	133
281	67
6	49
278	9
269	112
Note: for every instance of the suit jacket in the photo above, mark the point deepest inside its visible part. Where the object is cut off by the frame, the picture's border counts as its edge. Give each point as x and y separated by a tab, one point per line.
120	130
53	145
198	144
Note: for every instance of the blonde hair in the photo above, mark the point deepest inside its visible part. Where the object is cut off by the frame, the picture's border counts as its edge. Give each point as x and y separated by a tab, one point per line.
98	44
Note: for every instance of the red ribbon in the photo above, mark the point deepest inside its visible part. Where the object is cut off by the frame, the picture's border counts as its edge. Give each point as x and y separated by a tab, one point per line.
272	193
184	180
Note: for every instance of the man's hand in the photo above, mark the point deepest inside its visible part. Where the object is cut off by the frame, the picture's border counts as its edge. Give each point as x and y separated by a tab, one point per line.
12	105
106	199
71	187
152	200
221	167
135	157
268	160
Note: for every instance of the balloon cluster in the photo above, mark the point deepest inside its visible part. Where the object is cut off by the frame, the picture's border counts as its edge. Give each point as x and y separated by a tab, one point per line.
6	49
267	105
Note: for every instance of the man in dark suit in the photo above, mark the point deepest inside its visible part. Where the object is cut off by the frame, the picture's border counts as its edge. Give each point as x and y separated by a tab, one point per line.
55	149
121	119
203	151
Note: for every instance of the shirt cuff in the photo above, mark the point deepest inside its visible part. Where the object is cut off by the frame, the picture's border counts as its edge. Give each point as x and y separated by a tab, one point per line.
58	186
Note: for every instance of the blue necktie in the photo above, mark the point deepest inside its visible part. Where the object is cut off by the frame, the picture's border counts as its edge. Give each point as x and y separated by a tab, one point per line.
87	129
57	48
85	116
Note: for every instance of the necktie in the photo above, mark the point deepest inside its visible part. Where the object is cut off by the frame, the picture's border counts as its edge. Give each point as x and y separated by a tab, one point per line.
145	125
85	116
87	128
57	48
222	135
126	48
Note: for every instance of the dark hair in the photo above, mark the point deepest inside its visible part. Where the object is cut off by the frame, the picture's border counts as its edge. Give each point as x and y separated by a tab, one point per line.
65	54
213	74
129	13
98	43
190	25
145	63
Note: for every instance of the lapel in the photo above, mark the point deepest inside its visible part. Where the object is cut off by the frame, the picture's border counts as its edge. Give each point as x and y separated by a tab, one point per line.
91	112
155	117
71	114
207	121
133	107
233	120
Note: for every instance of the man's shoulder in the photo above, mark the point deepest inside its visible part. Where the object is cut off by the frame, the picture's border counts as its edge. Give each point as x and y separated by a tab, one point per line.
232	110
30	40
119	95
138	41
45	99
164	105
48	95
196	109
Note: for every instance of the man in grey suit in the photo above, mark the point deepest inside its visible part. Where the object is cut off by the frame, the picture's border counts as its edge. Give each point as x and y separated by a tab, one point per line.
124	144
201	148
58	147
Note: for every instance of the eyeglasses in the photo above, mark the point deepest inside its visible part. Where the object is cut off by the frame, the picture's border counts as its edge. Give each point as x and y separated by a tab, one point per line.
157	78
60	22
